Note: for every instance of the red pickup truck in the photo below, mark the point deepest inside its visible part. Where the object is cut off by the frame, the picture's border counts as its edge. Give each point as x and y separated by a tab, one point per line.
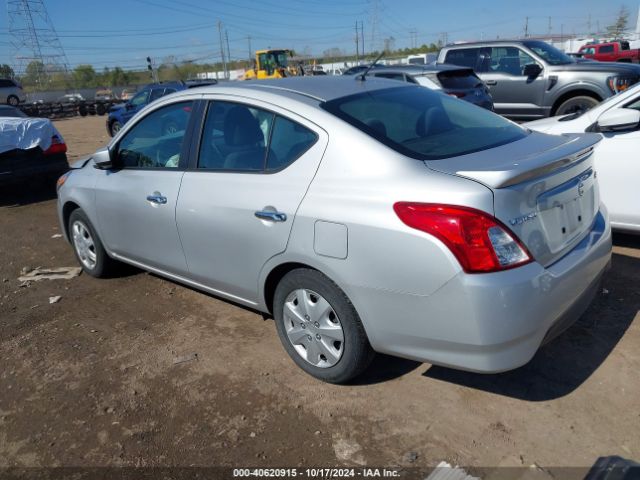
610	52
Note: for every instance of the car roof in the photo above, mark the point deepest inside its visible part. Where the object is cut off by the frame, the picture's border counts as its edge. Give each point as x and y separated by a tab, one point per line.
417	69
489	42
316	88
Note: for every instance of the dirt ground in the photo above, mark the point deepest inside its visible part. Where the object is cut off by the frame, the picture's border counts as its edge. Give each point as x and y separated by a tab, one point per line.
92	380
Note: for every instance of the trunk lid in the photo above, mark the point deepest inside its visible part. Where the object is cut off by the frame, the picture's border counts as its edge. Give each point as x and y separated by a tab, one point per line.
544	188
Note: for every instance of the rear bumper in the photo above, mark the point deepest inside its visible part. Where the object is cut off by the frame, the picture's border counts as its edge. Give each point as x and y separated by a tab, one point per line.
489	322
34	168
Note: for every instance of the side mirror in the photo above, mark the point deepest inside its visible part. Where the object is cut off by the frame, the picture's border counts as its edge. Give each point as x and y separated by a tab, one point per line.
532	70
618	120
103	159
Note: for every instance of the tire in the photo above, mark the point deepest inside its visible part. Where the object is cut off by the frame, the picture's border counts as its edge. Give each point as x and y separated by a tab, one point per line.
343	360
581	103
101	109
98	265
13	100
114	128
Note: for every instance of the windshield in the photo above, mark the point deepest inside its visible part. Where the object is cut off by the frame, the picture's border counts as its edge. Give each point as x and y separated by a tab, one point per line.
549	53
279	58
424	124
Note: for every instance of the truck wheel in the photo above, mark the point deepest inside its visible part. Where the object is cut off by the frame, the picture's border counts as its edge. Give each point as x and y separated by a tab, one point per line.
13	100
581	103
319	327
100	109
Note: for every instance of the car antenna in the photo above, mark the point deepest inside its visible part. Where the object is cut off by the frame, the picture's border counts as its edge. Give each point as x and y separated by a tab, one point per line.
362	76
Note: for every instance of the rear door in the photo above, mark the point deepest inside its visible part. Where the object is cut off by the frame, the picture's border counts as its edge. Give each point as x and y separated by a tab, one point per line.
239	197
514	94
136	201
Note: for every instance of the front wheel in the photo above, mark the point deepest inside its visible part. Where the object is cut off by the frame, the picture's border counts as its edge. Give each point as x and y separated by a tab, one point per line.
578	104
320	328
13	100
87	246
114	127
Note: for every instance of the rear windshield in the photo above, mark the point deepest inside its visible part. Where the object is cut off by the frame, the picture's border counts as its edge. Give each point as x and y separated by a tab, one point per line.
459	80
424	124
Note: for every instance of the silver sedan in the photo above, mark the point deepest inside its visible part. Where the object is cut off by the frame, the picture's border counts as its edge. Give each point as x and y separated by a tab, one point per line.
363	215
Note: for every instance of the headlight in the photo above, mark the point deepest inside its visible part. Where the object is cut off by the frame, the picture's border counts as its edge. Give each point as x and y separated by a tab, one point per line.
620	84
62	179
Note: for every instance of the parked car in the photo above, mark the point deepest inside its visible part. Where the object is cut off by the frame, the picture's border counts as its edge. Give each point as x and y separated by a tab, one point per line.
121	113
616	157
127	94
104	95
531	79
31	149
71	98
363	215
453	80
611	52
11	92
9	111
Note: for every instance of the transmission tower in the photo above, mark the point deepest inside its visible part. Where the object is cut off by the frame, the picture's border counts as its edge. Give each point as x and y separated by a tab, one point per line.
37	50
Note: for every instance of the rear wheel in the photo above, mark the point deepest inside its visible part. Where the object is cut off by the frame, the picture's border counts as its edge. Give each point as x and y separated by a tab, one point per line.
87	246
13	100
320	328
578	104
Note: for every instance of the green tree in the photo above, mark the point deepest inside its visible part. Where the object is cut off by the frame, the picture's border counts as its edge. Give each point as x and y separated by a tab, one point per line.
6	71
85	76
119	77
617	28
35	74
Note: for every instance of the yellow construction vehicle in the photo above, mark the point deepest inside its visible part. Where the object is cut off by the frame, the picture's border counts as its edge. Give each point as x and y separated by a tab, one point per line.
272	64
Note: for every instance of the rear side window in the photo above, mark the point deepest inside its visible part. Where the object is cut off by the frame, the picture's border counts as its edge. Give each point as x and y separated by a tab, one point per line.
464	57
6	84
606	49
289	141
459	79
424	124
238	137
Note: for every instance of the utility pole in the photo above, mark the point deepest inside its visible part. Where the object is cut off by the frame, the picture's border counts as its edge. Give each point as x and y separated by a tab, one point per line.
374	25
589	25
549	28
526	27
357	45
224	62
362	36
250	51
226	36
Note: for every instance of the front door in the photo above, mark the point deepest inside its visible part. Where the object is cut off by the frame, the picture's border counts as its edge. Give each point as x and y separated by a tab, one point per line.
239	198
618	167
514	94
136	201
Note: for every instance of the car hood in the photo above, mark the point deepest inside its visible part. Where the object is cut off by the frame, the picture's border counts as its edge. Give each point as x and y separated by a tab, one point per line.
613	67
117	107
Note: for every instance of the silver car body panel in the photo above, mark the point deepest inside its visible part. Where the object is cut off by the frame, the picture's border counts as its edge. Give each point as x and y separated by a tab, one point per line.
411	293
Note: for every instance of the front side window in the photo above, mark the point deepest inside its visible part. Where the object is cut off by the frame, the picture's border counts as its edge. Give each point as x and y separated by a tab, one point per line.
156	140
606	49
424	124
509	60
140	98
156	93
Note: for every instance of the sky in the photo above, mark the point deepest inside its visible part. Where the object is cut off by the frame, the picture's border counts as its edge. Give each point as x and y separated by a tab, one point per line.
124	32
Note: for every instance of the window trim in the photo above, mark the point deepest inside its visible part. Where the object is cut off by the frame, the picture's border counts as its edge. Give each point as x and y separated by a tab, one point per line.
186	146
198	137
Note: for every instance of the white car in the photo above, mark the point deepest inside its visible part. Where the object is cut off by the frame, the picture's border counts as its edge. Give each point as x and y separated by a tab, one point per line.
616	157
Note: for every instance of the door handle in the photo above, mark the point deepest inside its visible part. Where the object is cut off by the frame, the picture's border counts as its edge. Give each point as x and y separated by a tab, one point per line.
157	199
271	216
491	82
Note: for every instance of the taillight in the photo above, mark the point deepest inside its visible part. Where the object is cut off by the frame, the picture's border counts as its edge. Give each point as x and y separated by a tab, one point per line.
57	146
479	241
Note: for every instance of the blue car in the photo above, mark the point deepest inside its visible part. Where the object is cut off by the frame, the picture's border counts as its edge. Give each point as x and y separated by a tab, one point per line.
123	112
